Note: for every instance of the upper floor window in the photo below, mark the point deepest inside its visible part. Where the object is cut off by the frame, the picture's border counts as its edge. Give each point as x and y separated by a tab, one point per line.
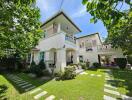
82	45
89	49
94	42
44	33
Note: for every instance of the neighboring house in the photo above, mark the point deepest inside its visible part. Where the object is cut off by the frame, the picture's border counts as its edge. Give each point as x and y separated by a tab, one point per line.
59	47
91	48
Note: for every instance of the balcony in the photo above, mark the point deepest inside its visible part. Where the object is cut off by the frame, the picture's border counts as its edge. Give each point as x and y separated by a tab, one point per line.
70	39
105	48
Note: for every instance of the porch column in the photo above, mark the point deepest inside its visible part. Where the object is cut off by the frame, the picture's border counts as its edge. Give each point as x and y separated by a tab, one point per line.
75	57
47	58
61	60
36	57
59	27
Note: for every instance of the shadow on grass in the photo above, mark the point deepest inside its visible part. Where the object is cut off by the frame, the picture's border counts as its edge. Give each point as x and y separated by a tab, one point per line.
3	90
123	78
34	81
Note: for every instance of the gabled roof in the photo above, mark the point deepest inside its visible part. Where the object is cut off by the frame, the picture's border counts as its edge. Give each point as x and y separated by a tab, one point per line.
90	35
58	14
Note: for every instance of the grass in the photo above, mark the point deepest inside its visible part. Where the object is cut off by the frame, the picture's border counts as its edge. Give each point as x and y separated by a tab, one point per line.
83	87
124	82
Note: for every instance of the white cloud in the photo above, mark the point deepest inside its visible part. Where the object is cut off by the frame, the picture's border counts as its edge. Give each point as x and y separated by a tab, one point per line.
81	12
47	8
43	5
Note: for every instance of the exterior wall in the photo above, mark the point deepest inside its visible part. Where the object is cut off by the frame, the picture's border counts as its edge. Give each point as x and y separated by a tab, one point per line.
98	49
91	56
56	41
59	43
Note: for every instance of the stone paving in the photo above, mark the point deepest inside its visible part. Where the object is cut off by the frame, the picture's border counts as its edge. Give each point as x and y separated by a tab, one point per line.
97	75
26	86
38	93
109	89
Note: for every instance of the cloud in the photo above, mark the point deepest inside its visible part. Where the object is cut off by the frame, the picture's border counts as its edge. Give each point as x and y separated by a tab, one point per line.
80	12
47	8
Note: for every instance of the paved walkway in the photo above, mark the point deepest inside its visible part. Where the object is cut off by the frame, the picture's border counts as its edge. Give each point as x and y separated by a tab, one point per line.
24	85
37	93
96	75
111	92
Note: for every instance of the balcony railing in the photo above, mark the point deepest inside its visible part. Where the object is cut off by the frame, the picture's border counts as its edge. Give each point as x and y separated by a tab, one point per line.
104	48
68	38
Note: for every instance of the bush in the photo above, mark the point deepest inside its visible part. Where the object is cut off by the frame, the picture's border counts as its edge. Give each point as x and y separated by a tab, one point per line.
42	65
129	59
96	64
87	64
83	65
32	67
69	73
46	73
38	71
121	62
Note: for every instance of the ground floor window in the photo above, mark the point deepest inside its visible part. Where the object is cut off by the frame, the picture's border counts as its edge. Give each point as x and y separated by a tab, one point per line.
41	56
81	58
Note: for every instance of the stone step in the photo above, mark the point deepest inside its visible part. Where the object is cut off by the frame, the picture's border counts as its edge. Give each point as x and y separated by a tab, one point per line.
30	88
36	90
26	85
109	98
52	97
40	95
110	86
111	92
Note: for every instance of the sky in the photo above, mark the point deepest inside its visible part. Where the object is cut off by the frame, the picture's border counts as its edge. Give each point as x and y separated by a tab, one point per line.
77	13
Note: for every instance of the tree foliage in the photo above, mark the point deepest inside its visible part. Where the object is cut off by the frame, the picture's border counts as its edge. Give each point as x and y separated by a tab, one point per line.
118	22
19	26
121	34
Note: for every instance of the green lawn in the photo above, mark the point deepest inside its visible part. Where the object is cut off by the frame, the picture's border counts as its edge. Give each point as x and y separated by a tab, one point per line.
124	82
83	87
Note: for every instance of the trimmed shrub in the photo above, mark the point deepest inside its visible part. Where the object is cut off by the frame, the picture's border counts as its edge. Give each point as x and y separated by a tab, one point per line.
96	64
87	64
83	65
69	73
46	73
32	67
129	59
42	65
121	62
38	71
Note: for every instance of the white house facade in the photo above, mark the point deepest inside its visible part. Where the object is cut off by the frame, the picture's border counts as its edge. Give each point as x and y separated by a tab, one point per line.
59	47
91	48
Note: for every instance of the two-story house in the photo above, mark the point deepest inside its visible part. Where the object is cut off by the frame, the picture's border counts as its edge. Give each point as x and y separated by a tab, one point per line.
91	48
58	45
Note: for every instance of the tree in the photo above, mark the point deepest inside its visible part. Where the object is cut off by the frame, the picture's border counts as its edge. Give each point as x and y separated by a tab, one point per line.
19	26
117	21
120	35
